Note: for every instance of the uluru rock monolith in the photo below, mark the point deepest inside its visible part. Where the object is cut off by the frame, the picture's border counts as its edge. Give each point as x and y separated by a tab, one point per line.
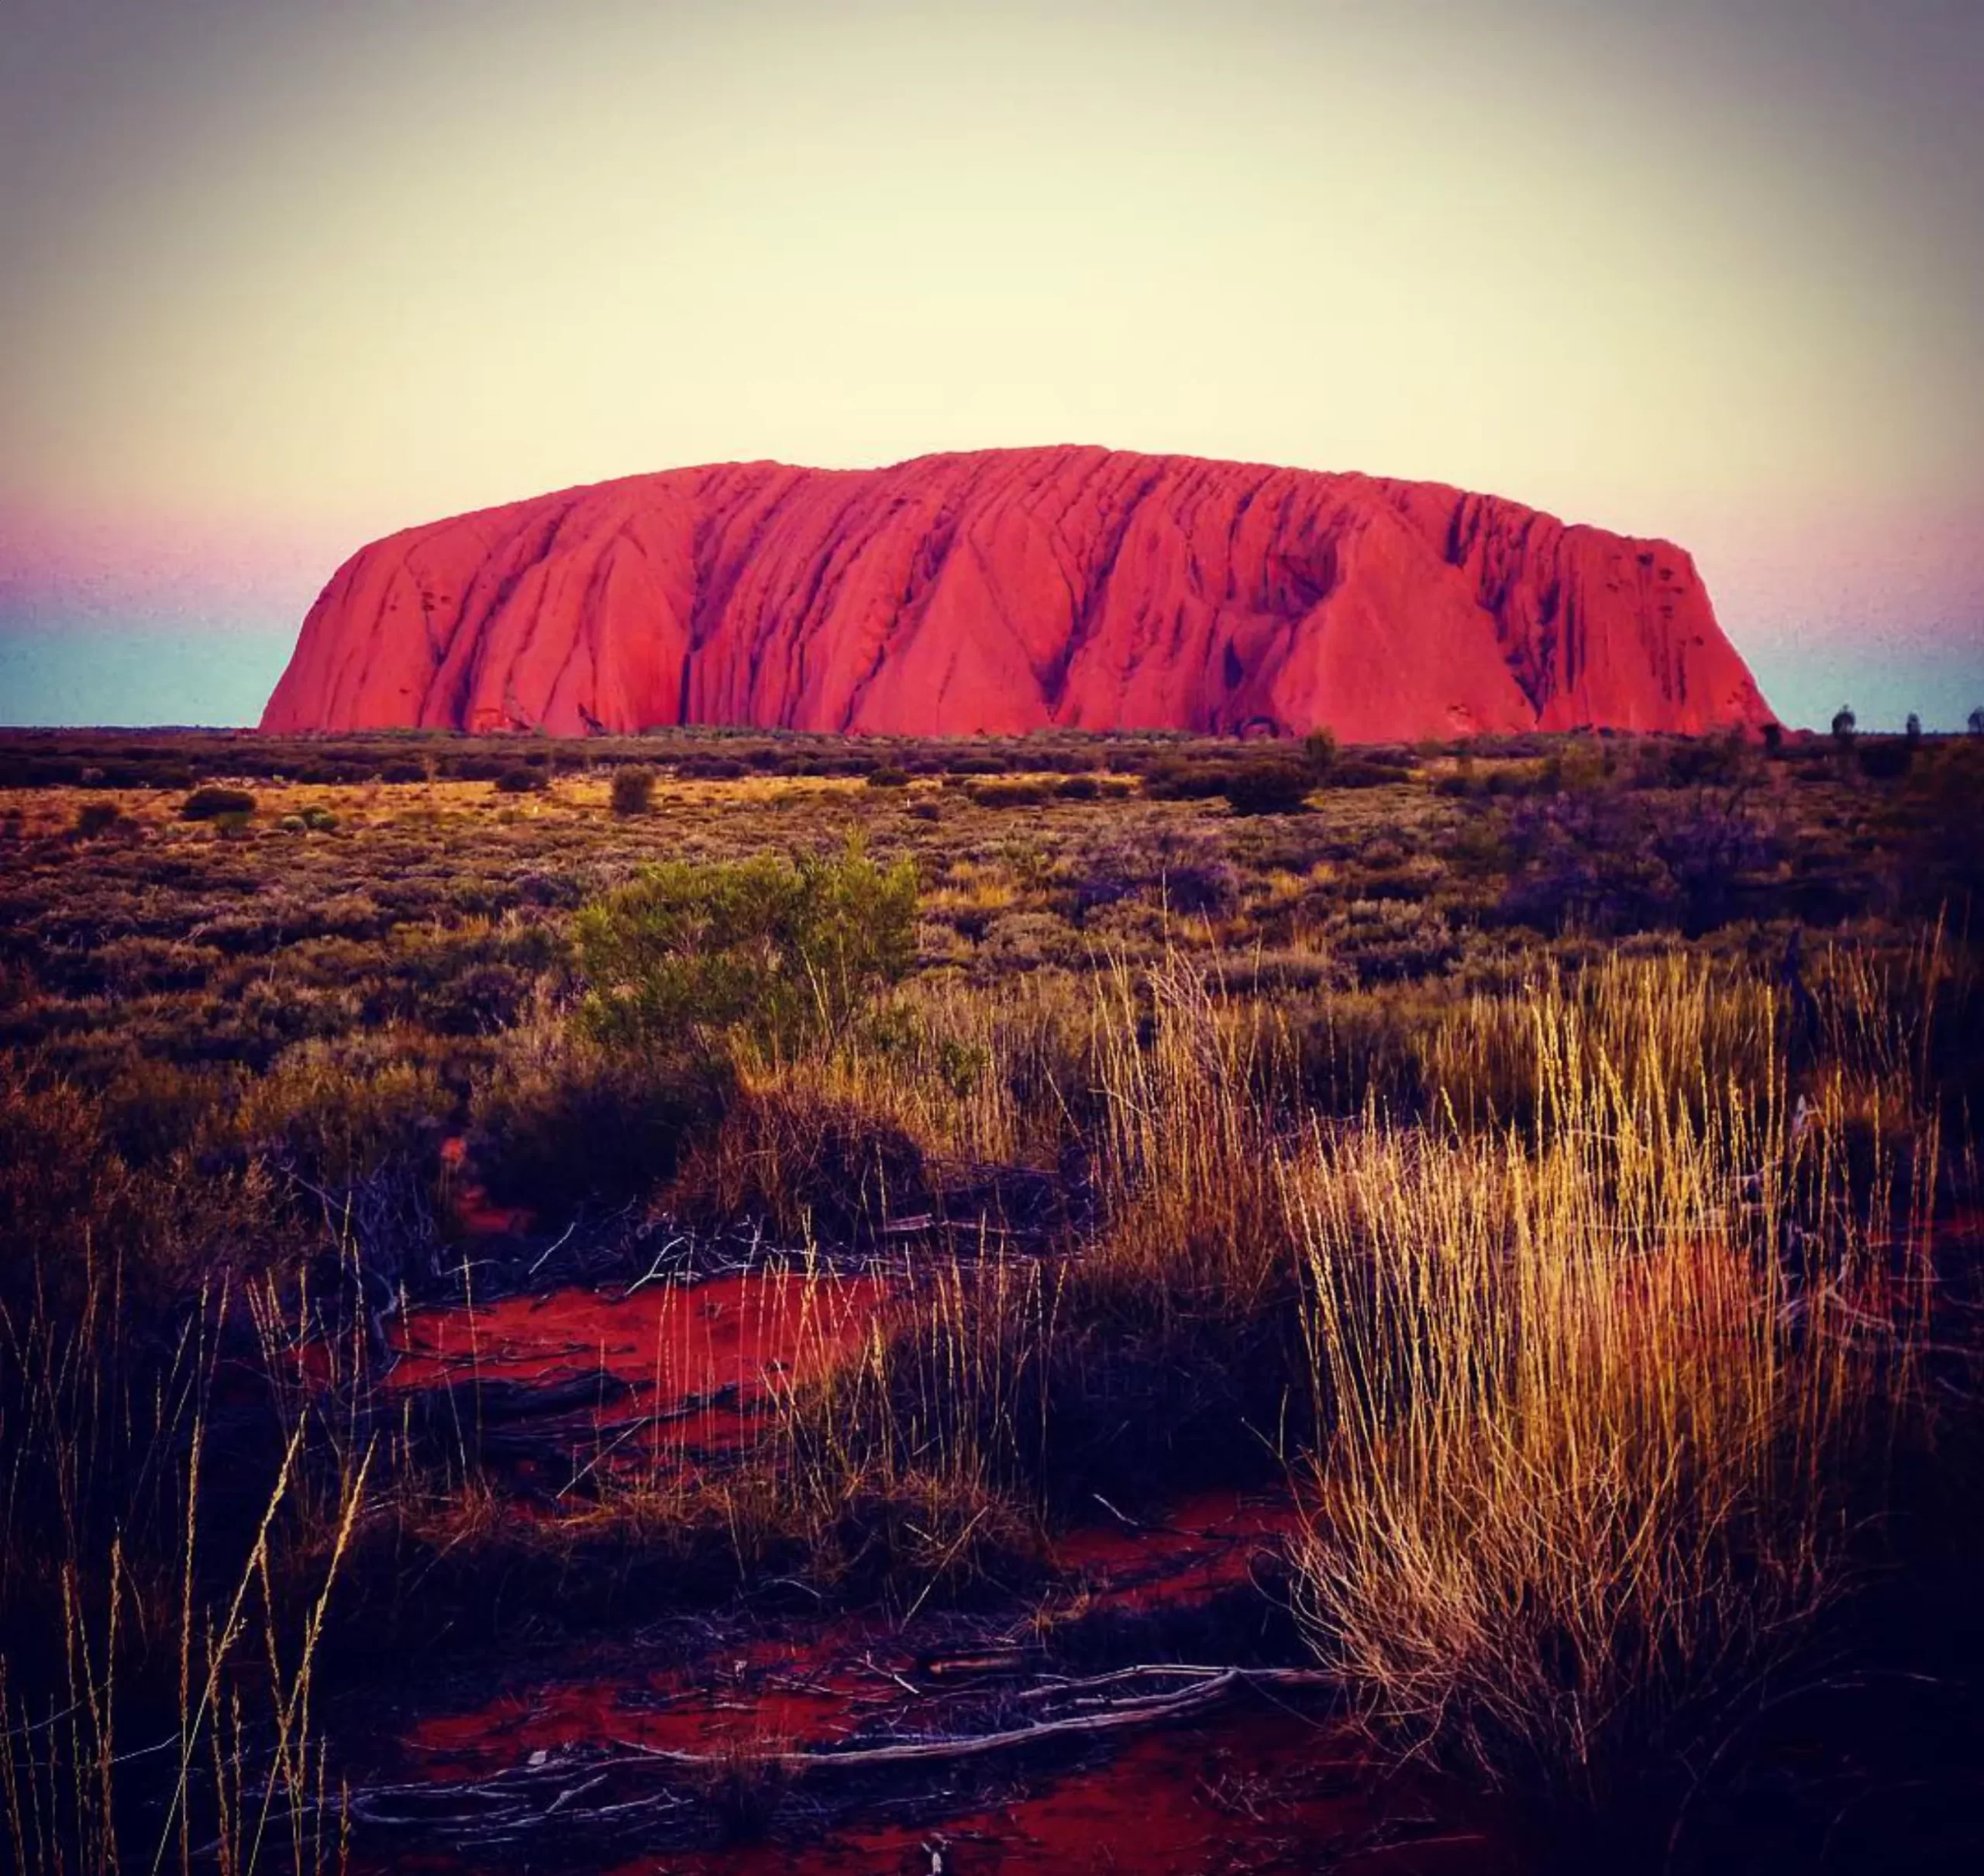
1011	590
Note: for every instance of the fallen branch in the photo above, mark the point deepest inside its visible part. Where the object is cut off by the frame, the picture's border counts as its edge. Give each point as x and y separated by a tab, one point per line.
502	1810
1211	1685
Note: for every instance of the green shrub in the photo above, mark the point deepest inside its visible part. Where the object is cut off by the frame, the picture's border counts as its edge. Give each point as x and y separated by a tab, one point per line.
1270	785
214	802
565	1122
522	781
1693	762
1937	819
338	1111
152	1109
1178	778
695	768
633	790
95	818
887	777
1357	773
1577	767
1027	792
787	952
1886	758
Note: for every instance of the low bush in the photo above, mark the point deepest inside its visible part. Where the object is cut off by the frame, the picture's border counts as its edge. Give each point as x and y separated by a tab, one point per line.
807	1165
632	791
1355	772
710	769
1885	759
1268	785
338	1112
1181	778
1025	792
561	1121
214	802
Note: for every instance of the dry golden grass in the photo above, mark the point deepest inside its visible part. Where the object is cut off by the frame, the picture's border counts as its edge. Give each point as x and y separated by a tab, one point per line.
244	1776
1603	1406
1584	1342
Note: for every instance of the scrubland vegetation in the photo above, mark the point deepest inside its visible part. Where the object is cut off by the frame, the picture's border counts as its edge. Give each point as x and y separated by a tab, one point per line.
1549	1168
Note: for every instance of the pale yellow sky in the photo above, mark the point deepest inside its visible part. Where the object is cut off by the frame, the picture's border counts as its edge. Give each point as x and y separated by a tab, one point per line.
299	275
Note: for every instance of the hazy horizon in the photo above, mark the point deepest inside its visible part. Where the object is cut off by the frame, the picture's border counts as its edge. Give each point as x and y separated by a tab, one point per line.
285	278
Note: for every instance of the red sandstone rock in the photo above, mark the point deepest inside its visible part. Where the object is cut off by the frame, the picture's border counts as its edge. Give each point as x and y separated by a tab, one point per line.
1009	589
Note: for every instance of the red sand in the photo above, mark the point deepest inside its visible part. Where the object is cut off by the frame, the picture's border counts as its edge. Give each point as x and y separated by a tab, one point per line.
1207	1542
1256	1786
1011	590
1253	1789
754	1694
720	1348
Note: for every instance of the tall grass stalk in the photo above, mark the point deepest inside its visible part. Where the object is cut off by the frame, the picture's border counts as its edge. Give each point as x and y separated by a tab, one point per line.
109	1492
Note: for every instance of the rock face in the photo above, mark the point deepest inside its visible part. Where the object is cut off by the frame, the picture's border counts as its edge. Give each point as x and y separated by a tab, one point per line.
1009	589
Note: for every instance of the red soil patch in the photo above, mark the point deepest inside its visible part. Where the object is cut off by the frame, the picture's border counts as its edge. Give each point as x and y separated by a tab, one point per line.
1209	1542
1256	1789
708	1355
776	1704
1257	1786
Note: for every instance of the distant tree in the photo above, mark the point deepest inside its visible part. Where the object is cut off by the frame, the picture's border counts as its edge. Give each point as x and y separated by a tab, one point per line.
1319	751
1844	724
1913	729
1977	720
1773	736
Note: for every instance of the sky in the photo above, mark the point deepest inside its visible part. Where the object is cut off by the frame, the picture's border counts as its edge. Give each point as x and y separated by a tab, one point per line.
277	278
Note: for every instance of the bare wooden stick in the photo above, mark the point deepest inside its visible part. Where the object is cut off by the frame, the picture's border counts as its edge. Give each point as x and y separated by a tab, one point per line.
1210	1685
513	1801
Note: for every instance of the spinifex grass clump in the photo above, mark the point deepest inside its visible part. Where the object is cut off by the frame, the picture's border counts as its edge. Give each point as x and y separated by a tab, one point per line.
1605	1407
1161	1352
